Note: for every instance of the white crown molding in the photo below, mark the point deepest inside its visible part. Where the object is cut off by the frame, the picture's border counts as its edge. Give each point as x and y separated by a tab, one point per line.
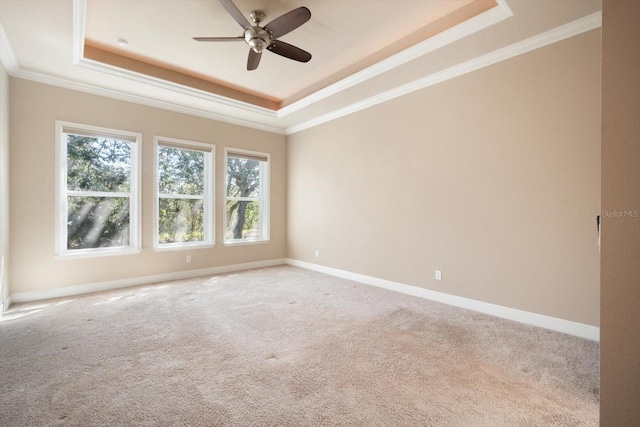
174	87
10	63
471	26
547	322
141	100
571	29
481	21
477	23
7	57
79	25
68	291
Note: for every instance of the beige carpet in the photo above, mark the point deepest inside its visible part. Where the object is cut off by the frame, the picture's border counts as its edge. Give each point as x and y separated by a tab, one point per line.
288	347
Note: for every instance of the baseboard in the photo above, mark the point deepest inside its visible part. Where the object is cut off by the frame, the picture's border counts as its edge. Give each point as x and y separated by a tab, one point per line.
4	305
68	291
534	319
4	302
560	325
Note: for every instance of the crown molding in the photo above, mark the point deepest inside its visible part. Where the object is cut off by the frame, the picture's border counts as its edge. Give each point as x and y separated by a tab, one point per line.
142	100
10	63
79	26
174	87
471	26
571	29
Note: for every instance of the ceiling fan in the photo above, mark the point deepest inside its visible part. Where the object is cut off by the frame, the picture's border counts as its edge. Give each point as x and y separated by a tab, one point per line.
259	38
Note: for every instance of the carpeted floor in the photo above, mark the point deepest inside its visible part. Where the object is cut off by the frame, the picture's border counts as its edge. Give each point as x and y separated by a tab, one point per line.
288	347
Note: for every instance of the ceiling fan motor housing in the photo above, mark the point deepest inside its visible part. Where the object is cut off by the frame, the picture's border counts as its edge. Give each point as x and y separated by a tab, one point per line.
257	38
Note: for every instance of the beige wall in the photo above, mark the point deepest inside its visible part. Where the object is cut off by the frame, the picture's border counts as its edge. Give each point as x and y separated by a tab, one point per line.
35	108
620	277
4	186
492	177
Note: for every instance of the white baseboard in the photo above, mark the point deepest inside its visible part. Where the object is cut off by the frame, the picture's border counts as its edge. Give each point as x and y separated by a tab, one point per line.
4	305
534	319
68	291
4	302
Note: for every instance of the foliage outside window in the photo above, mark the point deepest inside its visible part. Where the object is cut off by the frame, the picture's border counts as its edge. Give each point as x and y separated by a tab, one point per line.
247	209
184	212
97	189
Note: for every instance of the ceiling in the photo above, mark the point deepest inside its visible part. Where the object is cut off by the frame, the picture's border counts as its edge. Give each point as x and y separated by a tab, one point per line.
364	51
336	40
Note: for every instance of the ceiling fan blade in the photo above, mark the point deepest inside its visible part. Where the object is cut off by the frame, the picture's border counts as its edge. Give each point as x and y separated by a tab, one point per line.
289	51
218	39
236	14
287	22
254	60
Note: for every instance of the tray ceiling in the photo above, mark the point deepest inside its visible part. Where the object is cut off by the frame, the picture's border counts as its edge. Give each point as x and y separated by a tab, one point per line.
364	51
341	35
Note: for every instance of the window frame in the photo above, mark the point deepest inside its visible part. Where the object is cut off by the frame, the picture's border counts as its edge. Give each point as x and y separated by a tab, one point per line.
62	129
208	197
263	199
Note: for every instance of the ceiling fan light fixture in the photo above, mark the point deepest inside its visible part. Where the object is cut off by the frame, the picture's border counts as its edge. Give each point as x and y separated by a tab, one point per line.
257	39
257	44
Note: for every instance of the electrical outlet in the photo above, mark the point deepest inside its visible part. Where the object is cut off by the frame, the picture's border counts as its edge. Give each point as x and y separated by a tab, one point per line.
317	253
438	275
188	258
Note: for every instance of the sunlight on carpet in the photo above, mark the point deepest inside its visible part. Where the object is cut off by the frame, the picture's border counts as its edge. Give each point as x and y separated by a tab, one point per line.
289	347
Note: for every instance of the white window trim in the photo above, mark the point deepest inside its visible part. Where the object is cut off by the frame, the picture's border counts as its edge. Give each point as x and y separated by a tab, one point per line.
61	193
209	190
264	199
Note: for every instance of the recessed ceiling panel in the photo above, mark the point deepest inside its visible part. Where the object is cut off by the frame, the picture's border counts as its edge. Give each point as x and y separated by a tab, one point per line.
343	37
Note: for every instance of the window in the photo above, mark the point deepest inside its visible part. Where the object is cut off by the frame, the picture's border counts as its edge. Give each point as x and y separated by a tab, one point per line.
184	194
247	210
97	190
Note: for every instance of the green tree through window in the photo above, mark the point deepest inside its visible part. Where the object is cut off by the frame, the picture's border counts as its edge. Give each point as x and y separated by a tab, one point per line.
98	190
246	208
182	191
98	172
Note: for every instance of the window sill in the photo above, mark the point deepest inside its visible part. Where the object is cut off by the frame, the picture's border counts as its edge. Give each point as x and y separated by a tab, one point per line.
96	254
245	242
183	247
